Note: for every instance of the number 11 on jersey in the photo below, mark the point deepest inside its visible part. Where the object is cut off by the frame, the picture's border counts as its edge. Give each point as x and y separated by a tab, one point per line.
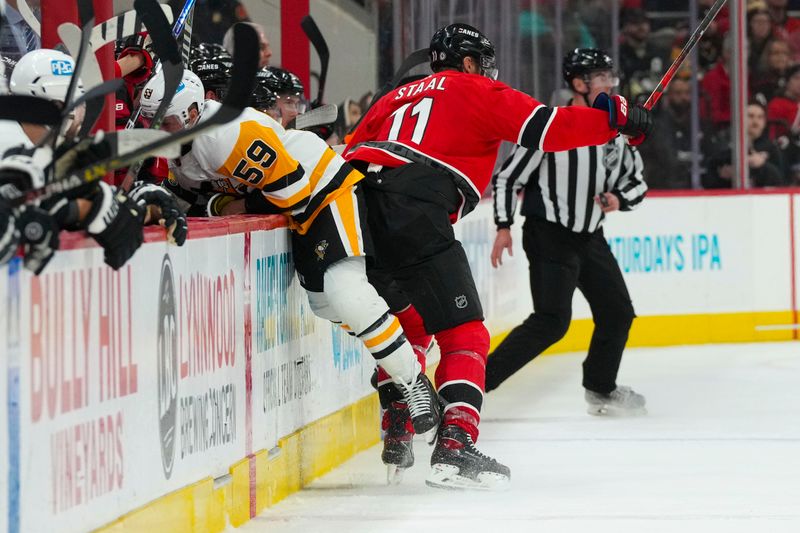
422	111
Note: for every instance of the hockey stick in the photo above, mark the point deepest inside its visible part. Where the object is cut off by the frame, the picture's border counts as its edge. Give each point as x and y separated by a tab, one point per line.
414	59
163	47
653	99
31	109
30	19
121	26
243	78
319	116
185	40
311	30
91	76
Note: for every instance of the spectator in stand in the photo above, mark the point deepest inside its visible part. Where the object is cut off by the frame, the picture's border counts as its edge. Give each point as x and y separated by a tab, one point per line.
783	112
759	32
641	63
769	79
668	155
265	51
785	26
764	157
716	94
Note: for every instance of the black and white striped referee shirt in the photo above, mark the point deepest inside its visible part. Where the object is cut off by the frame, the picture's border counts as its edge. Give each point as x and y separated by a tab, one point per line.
561	186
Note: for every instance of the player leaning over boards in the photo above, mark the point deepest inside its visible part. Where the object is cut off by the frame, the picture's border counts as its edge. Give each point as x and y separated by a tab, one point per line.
429	148
253	165
567	195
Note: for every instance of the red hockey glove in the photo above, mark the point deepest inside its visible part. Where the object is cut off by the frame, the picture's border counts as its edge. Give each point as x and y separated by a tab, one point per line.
634	121
139	45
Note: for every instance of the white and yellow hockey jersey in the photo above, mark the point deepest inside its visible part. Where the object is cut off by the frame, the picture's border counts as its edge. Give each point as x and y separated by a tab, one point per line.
277	171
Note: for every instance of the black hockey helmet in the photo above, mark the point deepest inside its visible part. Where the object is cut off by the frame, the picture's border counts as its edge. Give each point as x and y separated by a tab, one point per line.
581	62
281	81
451	44
297	84
208	51
214	73
263	96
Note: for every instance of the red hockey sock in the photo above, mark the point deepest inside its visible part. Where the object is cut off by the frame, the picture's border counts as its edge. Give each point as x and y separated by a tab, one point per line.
461	375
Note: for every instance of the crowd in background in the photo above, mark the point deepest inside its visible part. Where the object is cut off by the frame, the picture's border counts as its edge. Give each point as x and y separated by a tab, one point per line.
651	34
773	90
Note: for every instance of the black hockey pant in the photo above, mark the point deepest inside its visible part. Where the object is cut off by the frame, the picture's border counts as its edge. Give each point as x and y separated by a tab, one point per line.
561	260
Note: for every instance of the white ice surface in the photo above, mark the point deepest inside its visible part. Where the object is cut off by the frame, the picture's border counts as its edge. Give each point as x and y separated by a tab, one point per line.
718	452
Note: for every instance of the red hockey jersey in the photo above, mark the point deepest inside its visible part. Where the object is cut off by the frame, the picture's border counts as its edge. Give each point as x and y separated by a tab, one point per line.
455	122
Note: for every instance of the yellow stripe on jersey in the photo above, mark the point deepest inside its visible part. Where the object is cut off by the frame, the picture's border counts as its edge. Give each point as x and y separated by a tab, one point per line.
352	178
258	157
347	210
319	170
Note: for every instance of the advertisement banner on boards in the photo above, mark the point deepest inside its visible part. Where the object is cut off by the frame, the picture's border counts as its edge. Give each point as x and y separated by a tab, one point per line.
304	368
133	382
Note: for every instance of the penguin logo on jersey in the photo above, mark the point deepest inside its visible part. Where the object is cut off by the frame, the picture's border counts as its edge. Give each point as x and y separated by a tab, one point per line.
320	249
461	302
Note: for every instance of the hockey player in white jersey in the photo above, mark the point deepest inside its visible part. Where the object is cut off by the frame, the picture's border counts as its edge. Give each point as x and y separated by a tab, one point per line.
253	165
112	218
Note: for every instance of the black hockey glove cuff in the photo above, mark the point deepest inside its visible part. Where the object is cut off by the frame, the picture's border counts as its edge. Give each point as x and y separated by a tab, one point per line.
170	215
115	222
635	121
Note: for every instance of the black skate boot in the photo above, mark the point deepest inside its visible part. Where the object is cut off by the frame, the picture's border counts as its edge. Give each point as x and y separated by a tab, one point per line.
457	464
423	404
398	450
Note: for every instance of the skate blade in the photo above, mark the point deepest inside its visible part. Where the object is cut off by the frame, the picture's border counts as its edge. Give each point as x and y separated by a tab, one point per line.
447	477
611	411
394	474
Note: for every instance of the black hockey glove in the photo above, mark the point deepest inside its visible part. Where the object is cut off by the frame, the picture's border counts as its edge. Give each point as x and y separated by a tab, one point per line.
21	172
9	234
71	156
635	122
169	215
38	236
115	222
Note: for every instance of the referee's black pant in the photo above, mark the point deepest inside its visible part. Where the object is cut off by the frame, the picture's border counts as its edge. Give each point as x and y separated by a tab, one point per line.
561	260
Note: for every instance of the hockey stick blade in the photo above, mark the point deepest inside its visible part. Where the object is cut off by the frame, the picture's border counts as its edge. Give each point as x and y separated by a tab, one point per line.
30	109
317	40
121	26
243	78
319	116
91	76
30	19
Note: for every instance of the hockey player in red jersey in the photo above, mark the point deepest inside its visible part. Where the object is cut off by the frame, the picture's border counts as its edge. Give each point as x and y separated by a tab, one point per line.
429	149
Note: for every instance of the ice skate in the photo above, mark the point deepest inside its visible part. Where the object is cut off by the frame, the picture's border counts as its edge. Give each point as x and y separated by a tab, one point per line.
622	401
423	405
398	451
457	464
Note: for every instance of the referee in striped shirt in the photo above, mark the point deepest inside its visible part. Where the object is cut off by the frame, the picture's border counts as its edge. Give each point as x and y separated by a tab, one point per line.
566	197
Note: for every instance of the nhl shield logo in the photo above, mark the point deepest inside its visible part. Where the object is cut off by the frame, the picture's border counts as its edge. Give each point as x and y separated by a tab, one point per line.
461	301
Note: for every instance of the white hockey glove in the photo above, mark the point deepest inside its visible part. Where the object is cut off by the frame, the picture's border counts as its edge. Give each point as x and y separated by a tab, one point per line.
168	213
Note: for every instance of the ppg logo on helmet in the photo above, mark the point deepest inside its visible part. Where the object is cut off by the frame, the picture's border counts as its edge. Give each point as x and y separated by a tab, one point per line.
59	67
181	87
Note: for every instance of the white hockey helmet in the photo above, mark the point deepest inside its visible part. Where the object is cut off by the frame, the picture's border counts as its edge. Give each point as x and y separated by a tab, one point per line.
190	92
44	73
